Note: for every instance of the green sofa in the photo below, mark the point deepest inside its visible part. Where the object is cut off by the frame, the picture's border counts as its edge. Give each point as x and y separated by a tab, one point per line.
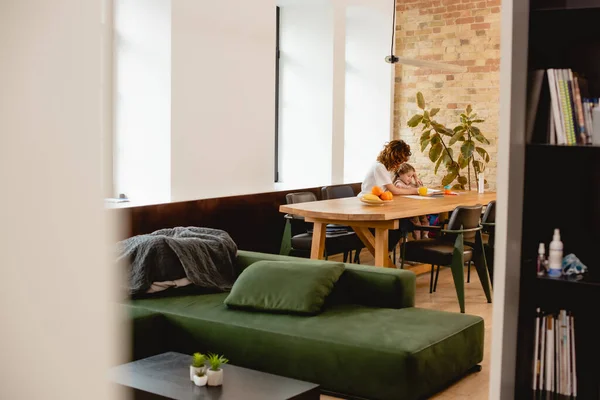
369	341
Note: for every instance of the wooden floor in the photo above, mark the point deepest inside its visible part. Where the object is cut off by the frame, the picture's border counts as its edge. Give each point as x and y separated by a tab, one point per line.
474	386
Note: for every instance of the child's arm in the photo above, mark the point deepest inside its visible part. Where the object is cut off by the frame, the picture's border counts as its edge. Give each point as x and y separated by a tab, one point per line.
401	191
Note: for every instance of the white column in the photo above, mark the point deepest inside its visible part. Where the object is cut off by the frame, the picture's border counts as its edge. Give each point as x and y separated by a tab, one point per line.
511	160
56	311
339	93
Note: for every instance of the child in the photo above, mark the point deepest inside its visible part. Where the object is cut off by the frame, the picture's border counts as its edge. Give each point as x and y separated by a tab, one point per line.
406	177
394	154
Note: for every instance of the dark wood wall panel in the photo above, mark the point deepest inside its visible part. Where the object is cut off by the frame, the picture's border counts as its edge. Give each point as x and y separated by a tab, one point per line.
253	221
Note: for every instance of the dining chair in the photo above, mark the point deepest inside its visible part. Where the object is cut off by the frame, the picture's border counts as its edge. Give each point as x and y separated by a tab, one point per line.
336	241
341	192
460	242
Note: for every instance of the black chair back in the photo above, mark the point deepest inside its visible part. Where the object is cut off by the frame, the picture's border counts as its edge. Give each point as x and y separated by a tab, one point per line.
489	216
464	217
337	192
297	223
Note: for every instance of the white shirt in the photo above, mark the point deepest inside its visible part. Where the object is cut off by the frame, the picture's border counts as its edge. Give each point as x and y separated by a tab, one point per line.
377	175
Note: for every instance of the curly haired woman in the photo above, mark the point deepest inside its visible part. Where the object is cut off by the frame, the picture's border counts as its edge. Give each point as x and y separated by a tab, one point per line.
382	172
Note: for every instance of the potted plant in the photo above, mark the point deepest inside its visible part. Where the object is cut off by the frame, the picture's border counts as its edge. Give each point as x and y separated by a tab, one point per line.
200	378
470	156
215	372
198	361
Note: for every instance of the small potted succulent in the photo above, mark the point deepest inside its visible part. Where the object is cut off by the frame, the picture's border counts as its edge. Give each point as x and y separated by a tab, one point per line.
200	378
215	372
198	364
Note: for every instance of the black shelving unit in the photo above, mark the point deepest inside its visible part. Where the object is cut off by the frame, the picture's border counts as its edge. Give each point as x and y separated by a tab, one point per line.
562	190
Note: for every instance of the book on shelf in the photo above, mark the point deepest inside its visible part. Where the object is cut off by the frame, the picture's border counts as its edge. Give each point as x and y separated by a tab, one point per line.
559	109
554	362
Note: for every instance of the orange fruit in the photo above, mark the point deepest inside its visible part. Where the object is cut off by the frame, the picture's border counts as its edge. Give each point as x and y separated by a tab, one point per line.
377	191
386	196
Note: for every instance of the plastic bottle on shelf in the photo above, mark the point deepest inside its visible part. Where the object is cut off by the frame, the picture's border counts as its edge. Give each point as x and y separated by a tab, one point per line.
541	260
555	255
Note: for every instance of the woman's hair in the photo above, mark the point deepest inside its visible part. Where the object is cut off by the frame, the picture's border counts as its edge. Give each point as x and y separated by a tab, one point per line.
403	169
394	153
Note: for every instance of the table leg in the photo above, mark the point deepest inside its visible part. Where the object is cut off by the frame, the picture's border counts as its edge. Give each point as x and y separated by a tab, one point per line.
318	241
367	238
381	247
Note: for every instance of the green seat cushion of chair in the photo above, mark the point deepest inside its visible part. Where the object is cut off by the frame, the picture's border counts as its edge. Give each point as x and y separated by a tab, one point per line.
284	286
375	353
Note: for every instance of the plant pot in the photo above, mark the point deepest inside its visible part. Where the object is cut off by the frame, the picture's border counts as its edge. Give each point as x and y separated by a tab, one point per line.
194	370
200	380
215	378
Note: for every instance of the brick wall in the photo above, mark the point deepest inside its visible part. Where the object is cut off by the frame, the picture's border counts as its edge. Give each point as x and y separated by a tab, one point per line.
463	32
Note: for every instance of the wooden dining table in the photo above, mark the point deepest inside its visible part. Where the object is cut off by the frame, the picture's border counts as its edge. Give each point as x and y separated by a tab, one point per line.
362	217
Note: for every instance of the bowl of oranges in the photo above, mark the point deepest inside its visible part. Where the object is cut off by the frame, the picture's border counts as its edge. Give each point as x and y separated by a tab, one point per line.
377	197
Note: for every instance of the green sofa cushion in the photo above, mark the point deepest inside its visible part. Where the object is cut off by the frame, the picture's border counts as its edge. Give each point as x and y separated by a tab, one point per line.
376	353
284	286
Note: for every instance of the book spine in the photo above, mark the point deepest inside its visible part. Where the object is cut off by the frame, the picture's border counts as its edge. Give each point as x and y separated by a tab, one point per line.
543	354
567	112
579	109
536	363
556	107
549	354
573	357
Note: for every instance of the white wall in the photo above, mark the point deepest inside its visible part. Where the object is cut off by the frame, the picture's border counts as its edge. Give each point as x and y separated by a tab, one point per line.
223	97
306	91
55	311
143	99
368	88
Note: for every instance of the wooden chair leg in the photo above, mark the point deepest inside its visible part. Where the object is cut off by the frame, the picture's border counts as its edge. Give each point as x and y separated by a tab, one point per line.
458	270
469	273
431	279
437	274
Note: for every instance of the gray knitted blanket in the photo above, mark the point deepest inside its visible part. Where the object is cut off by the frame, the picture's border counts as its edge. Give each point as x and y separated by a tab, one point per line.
205	256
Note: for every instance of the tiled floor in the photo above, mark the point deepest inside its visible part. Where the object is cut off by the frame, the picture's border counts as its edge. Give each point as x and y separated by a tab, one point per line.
474	386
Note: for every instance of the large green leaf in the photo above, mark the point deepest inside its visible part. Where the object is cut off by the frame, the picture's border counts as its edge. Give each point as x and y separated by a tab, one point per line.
477	121
475	131
478	166
458	186
454	168
420	101
462	180
437	165
435	151
459	128
462	162
425	135
434	111
469	109
448	154
424	144
435	138
446	180
467	149
456	137
484	154
415	120
482	139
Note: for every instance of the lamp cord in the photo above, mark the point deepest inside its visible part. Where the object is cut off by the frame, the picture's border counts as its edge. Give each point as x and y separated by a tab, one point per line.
393	30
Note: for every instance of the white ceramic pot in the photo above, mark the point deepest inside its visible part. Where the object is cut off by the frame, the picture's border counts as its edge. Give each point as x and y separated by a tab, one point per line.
200	380
215	378
194	370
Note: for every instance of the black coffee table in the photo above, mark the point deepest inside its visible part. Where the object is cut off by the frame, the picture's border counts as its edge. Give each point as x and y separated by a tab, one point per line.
167	376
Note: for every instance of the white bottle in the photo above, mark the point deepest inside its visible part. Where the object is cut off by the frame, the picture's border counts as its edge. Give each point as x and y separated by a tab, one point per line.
555	256
480	183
